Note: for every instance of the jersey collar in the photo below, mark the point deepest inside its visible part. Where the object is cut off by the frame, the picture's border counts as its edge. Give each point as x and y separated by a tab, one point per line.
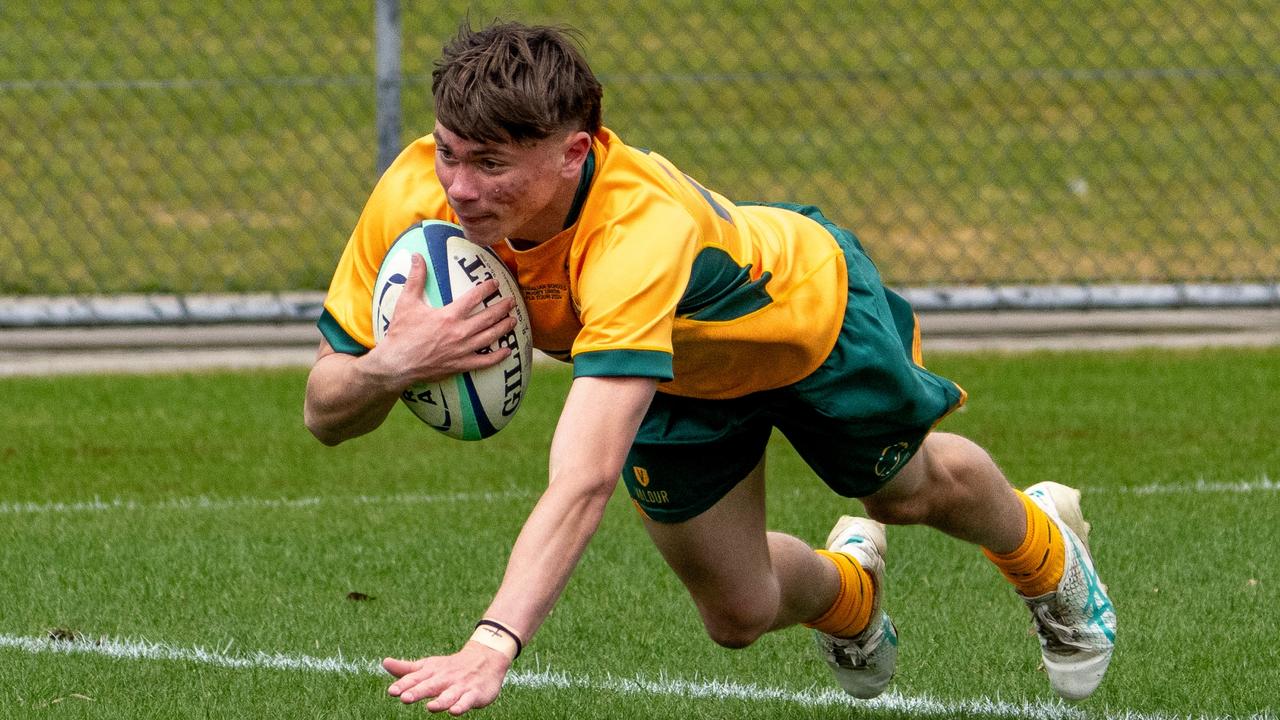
584	184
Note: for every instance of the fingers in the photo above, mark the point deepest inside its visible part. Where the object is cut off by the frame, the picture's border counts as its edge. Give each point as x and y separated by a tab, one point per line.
477	335
415	679
485	326
469	700
415	687
400	668
482	340
411	677
416	283
440	693
485	317
468	304
426	343
468	679
468	310
472	301
451	700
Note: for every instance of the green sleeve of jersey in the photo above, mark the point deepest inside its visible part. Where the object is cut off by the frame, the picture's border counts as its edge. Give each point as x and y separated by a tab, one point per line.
623	363
337	337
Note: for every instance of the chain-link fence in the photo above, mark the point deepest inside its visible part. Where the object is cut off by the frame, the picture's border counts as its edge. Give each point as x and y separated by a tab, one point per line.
212	147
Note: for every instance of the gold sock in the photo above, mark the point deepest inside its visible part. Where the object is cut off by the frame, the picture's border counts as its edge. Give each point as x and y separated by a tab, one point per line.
851	612
1035	568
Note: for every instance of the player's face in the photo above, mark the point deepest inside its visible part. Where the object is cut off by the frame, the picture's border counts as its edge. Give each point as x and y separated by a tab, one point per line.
505	190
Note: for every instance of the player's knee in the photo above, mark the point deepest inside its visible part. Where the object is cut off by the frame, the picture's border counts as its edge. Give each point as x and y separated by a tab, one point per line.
733	637
958	463
911	510
736	628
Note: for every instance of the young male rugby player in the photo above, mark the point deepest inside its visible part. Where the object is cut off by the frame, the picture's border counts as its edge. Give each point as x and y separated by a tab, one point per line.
695	326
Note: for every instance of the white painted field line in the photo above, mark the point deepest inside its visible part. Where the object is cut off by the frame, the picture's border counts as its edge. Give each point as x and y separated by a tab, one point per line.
204	502
1199	487
143	650
637	685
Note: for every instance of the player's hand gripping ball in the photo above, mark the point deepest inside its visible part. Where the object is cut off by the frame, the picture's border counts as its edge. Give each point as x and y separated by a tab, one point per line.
470	405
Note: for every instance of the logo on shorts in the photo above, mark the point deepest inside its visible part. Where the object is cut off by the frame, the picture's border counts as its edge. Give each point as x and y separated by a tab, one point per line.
652	497
892	458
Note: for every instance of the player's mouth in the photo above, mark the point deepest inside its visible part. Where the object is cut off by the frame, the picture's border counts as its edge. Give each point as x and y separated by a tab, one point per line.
474	218
480	228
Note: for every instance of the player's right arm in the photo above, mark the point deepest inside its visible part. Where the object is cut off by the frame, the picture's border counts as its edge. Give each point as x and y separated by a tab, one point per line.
350	395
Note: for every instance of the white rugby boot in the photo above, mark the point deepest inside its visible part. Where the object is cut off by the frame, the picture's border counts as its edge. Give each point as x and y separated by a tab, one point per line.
863	665
1076	622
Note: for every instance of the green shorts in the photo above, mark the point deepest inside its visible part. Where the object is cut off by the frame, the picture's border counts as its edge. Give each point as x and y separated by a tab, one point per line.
856	420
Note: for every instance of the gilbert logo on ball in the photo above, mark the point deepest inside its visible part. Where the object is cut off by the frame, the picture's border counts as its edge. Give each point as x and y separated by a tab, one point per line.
470	405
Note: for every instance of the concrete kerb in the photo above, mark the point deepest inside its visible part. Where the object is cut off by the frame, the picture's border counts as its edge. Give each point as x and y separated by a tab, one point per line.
160	347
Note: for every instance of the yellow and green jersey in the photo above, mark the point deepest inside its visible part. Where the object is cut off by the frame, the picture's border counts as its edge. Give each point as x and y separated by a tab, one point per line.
653	276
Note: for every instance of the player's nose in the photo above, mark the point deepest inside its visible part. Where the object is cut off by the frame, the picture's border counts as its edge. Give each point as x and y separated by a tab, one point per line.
463	186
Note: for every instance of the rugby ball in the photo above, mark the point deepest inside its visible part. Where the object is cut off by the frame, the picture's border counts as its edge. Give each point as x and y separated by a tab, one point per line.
470	405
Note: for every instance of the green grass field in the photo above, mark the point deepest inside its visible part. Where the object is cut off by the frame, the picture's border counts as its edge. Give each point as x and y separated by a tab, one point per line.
207	147
193	550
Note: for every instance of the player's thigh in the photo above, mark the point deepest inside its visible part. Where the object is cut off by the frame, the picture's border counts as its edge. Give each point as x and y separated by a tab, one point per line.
903	494
947	472
722	554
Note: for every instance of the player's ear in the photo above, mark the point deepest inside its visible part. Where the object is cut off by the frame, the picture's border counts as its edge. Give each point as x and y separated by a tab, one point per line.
576	147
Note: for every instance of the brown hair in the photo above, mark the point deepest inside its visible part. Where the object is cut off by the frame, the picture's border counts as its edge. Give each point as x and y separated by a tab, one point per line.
513	82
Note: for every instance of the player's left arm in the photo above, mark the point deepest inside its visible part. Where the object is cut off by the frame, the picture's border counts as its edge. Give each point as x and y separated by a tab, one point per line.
597	426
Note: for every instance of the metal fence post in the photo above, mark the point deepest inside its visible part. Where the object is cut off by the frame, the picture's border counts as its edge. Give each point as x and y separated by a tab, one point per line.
387	39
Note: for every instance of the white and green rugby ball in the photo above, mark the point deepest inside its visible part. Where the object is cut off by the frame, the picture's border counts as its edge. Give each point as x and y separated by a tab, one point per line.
470	405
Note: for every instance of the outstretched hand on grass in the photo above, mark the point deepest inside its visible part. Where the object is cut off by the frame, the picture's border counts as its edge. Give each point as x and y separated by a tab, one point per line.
470	678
